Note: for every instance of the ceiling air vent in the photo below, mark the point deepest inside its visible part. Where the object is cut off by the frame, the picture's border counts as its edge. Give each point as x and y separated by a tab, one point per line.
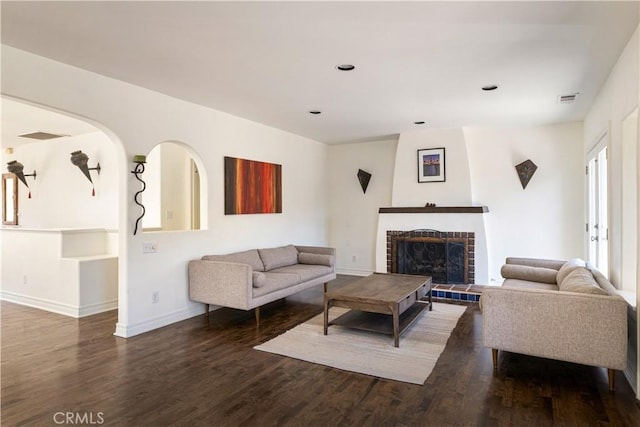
41	135
567	99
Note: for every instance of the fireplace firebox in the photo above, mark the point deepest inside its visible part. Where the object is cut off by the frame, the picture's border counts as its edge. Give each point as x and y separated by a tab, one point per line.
448	257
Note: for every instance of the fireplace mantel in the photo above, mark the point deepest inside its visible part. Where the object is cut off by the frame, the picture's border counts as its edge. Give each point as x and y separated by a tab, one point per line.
436	209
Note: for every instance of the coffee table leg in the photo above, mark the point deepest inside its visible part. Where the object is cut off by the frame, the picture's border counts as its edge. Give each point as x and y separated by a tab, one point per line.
430	297
326	316
396	325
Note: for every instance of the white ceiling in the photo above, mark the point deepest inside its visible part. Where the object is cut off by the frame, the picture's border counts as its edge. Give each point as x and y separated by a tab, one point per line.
19	118
272	62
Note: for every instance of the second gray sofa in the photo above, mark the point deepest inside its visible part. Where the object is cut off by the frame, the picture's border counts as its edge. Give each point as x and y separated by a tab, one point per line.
560	310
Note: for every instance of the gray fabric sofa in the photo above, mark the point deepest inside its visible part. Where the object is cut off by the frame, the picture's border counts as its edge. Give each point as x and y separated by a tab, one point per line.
249	279
561	310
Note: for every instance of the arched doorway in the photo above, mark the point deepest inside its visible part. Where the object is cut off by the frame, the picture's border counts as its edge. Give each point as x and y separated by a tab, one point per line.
73	218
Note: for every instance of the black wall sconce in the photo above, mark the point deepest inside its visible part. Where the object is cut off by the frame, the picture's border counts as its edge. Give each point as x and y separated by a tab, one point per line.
364	177
81	160
525	171
139	160
15	167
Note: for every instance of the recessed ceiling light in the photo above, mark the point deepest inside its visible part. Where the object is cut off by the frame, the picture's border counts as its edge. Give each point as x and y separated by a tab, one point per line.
315	112
418	123
489	87
345	67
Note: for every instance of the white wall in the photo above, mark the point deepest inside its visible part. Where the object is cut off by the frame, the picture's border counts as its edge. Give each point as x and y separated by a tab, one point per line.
176	187
61	194
354	214
455	191
138	119
545	219
629	219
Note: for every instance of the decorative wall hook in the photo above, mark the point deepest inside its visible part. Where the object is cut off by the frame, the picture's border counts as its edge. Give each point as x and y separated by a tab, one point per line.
81	160
15	167
139	160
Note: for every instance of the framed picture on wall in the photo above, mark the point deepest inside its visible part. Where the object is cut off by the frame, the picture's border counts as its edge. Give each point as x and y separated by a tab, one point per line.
252	187
431	165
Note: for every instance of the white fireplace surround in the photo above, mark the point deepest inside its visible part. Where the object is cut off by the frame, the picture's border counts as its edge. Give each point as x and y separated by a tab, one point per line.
462	222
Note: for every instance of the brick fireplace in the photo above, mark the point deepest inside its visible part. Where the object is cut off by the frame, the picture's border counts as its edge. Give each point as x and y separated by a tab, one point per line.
448	257
460	229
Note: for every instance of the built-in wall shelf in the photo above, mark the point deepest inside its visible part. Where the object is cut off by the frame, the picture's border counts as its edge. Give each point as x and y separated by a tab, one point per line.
436	209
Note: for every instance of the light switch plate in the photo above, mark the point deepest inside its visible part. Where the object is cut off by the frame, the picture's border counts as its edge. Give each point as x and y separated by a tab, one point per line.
149	248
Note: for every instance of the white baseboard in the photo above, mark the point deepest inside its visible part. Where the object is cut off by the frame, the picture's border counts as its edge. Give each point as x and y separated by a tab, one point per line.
353	272
98	307
40	303
127	331
58	307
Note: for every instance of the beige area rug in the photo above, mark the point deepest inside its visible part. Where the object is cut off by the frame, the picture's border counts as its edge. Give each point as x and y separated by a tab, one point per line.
371	353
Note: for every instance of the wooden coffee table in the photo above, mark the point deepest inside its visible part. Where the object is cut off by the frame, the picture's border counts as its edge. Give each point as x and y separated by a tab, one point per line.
386	303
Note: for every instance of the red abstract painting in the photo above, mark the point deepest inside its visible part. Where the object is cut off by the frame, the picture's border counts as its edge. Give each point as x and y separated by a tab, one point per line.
252	187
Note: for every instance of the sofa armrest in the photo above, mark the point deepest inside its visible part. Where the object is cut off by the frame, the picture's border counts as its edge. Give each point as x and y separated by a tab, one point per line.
320	250
227	284
580	328
536	262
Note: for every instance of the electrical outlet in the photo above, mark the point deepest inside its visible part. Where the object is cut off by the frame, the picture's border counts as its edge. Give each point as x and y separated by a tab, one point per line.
353	259
155	297
149	248
24	279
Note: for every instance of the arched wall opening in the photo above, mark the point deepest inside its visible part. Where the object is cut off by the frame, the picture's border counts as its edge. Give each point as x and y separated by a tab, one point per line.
80	236
175	197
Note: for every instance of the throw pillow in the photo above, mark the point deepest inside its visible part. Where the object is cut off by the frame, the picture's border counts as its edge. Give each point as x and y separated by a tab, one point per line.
581	280
531	274
250	257
278	257
316	259
259	279
568	267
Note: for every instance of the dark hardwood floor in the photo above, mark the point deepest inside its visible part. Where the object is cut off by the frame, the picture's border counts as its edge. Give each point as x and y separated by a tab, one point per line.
200	372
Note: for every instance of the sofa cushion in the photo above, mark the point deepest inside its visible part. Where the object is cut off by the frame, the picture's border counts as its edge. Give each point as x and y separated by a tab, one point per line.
306	272
250	257
533	274
316	259
581	280
278	257
568	267
259	279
